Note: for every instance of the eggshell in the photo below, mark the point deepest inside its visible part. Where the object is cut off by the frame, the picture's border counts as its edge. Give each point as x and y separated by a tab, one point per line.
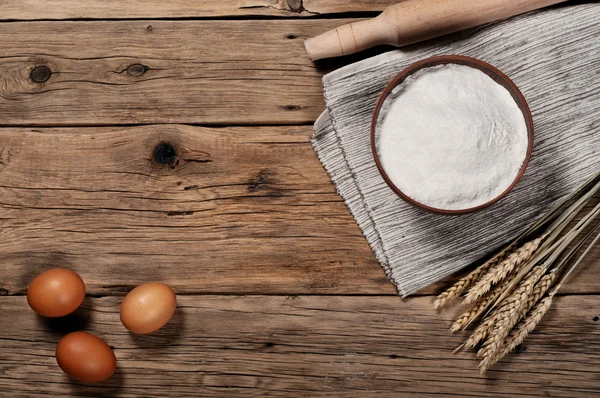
85	357
56	292
148	307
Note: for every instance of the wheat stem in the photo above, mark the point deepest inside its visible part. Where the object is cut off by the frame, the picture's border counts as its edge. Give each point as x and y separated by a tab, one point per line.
581	196
552	253
579	260
557	216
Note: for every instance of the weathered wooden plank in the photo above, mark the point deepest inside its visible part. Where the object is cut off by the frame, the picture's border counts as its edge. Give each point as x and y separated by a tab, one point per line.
99	9
237	210
316	346
132	72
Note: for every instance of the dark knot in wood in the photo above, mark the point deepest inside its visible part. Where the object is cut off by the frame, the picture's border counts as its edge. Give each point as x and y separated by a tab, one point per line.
295	5
40	74
165	153
137	69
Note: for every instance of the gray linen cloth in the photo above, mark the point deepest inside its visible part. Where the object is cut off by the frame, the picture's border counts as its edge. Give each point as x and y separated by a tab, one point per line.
553	56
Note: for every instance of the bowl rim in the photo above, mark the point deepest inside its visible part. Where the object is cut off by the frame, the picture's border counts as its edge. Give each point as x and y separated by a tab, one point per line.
499	77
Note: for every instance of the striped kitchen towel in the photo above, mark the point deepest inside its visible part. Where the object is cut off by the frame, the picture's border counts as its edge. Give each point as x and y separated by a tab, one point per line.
553	56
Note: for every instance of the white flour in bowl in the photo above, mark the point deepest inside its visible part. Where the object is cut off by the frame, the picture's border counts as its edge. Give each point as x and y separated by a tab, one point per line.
451	138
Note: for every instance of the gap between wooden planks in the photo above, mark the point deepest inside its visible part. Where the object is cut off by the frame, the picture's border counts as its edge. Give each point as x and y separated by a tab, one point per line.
101	9
241	210
281	346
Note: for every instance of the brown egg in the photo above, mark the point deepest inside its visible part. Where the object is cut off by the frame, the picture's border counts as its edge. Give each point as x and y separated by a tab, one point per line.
148	307
85	357
56	292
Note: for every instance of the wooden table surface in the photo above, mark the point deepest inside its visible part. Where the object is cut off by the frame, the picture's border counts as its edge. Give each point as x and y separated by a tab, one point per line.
169	141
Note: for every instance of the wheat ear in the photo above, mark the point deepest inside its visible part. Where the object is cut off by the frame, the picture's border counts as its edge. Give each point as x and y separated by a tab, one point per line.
467	317
522	330
466	282
509	313
539	291
481	331
501	270
518	335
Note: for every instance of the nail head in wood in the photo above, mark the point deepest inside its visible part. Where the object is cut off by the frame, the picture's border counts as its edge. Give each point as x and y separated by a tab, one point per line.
137	69
295	5
40	74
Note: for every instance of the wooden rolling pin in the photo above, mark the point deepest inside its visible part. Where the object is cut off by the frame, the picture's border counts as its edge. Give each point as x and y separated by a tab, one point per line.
415	20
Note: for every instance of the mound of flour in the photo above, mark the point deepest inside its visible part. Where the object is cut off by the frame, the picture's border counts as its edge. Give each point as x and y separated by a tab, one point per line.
451	138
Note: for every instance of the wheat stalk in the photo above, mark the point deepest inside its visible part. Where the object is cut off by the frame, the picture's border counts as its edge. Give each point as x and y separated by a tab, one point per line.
499	314
529	322
464	283
515	286
467	317
559	216
501	270
481	331
508	314
539	290
518	335
550	254
547	280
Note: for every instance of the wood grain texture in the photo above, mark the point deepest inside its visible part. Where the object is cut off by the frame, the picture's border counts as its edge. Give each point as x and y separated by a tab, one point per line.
99	9
246	210
132	72
239	210
315	346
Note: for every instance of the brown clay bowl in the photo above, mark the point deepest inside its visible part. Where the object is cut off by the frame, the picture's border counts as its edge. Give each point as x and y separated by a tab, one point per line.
489	70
